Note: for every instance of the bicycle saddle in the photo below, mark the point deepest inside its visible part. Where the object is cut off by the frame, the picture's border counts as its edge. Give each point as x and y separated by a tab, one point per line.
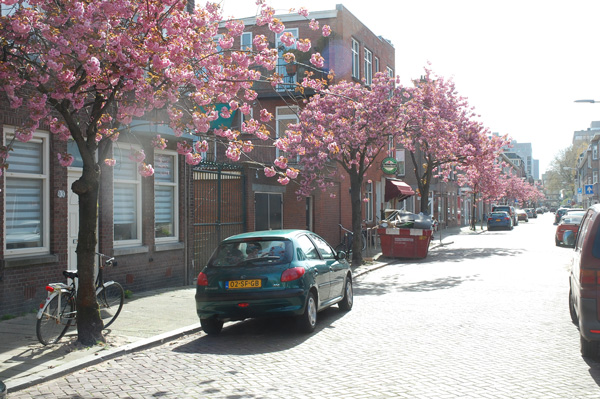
70	273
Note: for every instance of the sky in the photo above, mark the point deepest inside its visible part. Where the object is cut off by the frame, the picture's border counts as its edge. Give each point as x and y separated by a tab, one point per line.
520	63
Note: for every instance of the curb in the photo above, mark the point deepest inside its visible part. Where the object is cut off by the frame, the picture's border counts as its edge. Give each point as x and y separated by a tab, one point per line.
99	357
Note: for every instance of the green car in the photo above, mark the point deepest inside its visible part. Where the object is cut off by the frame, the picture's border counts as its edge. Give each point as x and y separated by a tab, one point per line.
272	273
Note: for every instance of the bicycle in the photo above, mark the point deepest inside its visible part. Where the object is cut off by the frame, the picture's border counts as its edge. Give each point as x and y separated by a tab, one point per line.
346	244
59	311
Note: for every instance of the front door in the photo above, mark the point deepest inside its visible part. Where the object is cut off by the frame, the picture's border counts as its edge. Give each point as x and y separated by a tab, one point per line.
73	216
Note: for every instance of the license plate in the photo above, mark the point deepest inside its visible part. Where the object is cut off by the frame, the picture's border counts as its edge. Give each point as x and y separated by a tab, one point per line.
237	284
497	220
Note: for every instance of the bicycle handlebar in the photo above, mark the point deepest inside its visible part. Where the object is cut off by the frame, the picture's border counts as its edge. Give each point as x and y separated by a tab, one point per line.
345	229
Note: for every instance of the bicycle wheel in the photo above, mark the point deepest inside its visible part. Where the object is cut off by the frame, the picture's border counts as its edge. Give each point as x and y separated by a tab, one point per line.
50	327
110	301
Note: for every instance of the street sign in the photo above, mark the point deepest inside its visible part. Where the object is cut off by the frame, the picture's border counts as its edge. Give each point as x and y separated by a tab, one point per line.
589	189
579	191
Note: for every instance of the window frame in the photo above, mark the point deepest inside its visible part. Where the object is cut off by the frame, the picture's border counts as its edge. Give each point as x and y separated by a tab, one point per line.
390	72
368	65
44	177
247	47
355	59
293	118
174	184
289	82
138	207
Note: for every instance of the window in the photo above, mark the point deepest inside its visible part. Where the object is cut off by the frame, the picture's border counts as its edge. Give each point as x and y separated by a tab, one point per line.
246	41
401	159
595	151
326	251
376	65
589	163
355	59
27	192
306	249
390	72
289	81
165	196
368	67
268	211
595	178
369	203
284	116
127	203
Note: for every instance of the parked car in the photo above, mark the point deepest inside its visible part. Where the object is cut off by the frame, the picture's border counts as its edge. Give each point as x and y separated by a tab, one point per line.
509	209
584	279
531	213
570	221
272	273
522	215
539	210
499	220
559	212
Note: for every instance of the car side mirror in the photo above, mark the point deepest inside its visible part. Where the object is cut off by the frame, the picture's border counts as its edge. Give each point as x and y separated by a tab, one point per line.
341	255
569	238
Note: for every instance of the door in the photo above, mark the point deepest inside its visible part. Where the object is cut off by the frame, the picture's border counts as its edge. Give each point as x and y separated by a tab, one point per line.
315	265
73	216
337	270
268	211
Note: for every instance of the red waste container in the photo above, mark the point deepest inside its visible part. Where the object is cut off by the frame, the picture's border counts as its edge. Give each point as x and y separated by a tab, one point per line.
405	243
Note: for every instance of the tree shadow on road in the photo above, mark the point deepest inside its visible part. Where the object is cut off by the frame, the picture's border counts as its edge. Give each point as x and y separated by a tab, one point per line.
460	254
398	284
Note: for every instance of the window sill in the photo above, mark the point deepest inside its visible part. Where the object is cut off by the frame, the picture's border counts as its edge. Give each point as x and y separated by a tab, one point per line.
168	246
30	260
122	251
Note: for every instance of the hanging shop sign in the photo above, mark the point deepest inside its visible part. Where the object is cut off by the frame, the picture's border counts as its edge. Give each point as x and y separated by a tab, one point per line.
389	166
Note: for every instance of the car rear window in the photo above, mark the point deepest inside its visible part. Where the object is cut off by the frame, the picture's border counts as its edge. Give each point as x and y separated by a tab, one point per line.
502	208
498	214
252	252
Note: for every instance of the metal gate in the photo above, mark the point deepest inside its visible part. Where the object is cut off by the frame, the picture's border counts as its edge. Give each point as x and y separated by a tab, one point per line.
219	209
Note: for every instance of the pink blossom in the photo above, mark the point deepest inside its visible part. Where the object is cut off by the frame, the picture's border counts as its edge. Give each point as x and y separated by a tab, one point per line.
201	146
303	11
183	148
159	143
288	39
317	60
269	171
292	173
110	162
145	170
265	116
137	155
193	158
326	30
65	159
283	180
303	45
314	24
281	162
276	26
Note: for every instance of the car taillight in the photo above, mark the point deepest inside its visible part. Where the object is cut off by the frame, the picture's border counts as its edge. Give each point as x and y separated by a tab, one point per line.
292	274
588	277
202	280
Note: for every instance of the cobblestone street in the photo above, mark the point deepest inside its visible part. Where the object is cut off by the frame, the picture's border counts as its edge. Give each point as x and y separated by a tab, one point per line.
482	317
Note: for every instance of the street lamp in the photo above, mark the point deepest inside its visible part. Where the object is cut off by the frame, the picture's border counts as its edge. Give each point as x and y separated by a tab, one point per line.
587	101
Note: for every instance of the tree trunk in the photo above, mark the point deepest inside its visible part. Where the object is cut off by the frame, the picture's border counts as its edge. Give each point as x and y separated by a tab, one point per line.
89	322
355	199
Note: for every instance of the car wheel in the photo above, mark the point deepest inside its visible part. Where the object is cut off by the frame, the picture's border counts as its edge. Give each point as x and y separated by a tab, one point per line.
557	242
211	326
588	348
348	300
572	309
308	320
